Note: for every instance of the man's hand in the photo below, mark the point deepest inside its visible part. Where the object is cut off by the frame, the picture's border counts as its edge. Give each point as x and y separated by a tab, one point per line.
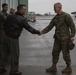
39	33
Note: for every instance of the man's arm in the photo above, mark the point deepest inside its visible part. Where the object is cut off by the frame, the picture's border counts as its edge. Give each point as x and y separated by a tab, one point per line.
48	28
1	18
29	28
71	25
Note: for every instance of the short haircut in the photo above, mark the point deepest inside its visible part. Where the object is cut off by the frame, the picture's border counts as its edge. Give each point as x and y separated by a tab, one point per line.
58	4
20	6
4	4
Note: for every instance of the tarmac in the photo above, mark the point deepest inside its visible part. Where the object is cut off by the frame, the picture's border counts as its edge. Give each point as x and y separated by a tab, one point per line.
36	52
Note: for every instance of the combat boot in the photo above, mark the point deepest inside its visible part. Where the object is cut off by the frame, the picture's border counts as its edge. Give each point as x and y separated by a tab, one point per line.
68	69
53	68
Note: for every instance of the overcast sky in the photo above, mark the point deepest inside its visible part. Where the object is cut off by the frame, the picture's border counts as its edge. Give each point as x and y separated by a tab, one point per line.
46	6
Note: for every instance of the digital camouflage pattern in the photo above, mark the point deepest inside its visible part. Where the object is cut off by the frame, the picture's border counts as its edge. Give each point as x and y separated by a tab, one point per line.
62	23
64	30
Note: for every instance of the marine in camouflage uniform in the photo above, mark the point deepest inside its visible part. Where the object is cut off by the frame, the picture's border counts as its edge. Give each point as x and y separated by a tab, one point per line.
64	30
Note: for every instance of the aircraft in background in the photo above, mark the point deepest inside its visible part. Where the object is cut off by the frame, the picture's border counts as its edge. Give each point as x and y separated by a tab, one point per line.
74	13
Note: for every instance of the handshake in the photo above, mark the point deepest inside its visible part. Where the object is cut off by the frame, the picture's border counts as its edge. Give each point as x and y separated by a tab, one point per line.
39	32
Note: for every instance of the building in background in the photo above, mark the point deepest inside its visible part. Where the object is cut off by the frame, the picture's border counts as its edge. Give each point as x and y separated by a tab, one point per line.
14	4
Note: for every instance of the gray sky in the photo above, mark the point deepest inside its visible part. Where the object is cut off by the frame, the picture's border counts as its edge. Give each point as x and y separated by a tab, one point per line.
46	6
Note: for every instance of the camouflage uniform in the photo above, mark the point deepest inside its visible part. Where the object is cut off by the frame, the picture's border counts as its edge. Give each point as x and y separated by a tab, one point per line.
64	29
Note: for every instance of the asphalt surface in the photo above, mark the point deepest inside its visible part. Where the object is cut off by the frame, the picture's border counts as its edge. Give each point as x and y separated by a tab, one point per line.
36	52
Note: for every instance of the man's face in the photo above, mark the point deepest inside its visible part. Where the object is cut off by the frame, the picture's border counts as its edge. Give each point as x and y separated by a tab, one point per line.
57	9
5	8
12	10
23	10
